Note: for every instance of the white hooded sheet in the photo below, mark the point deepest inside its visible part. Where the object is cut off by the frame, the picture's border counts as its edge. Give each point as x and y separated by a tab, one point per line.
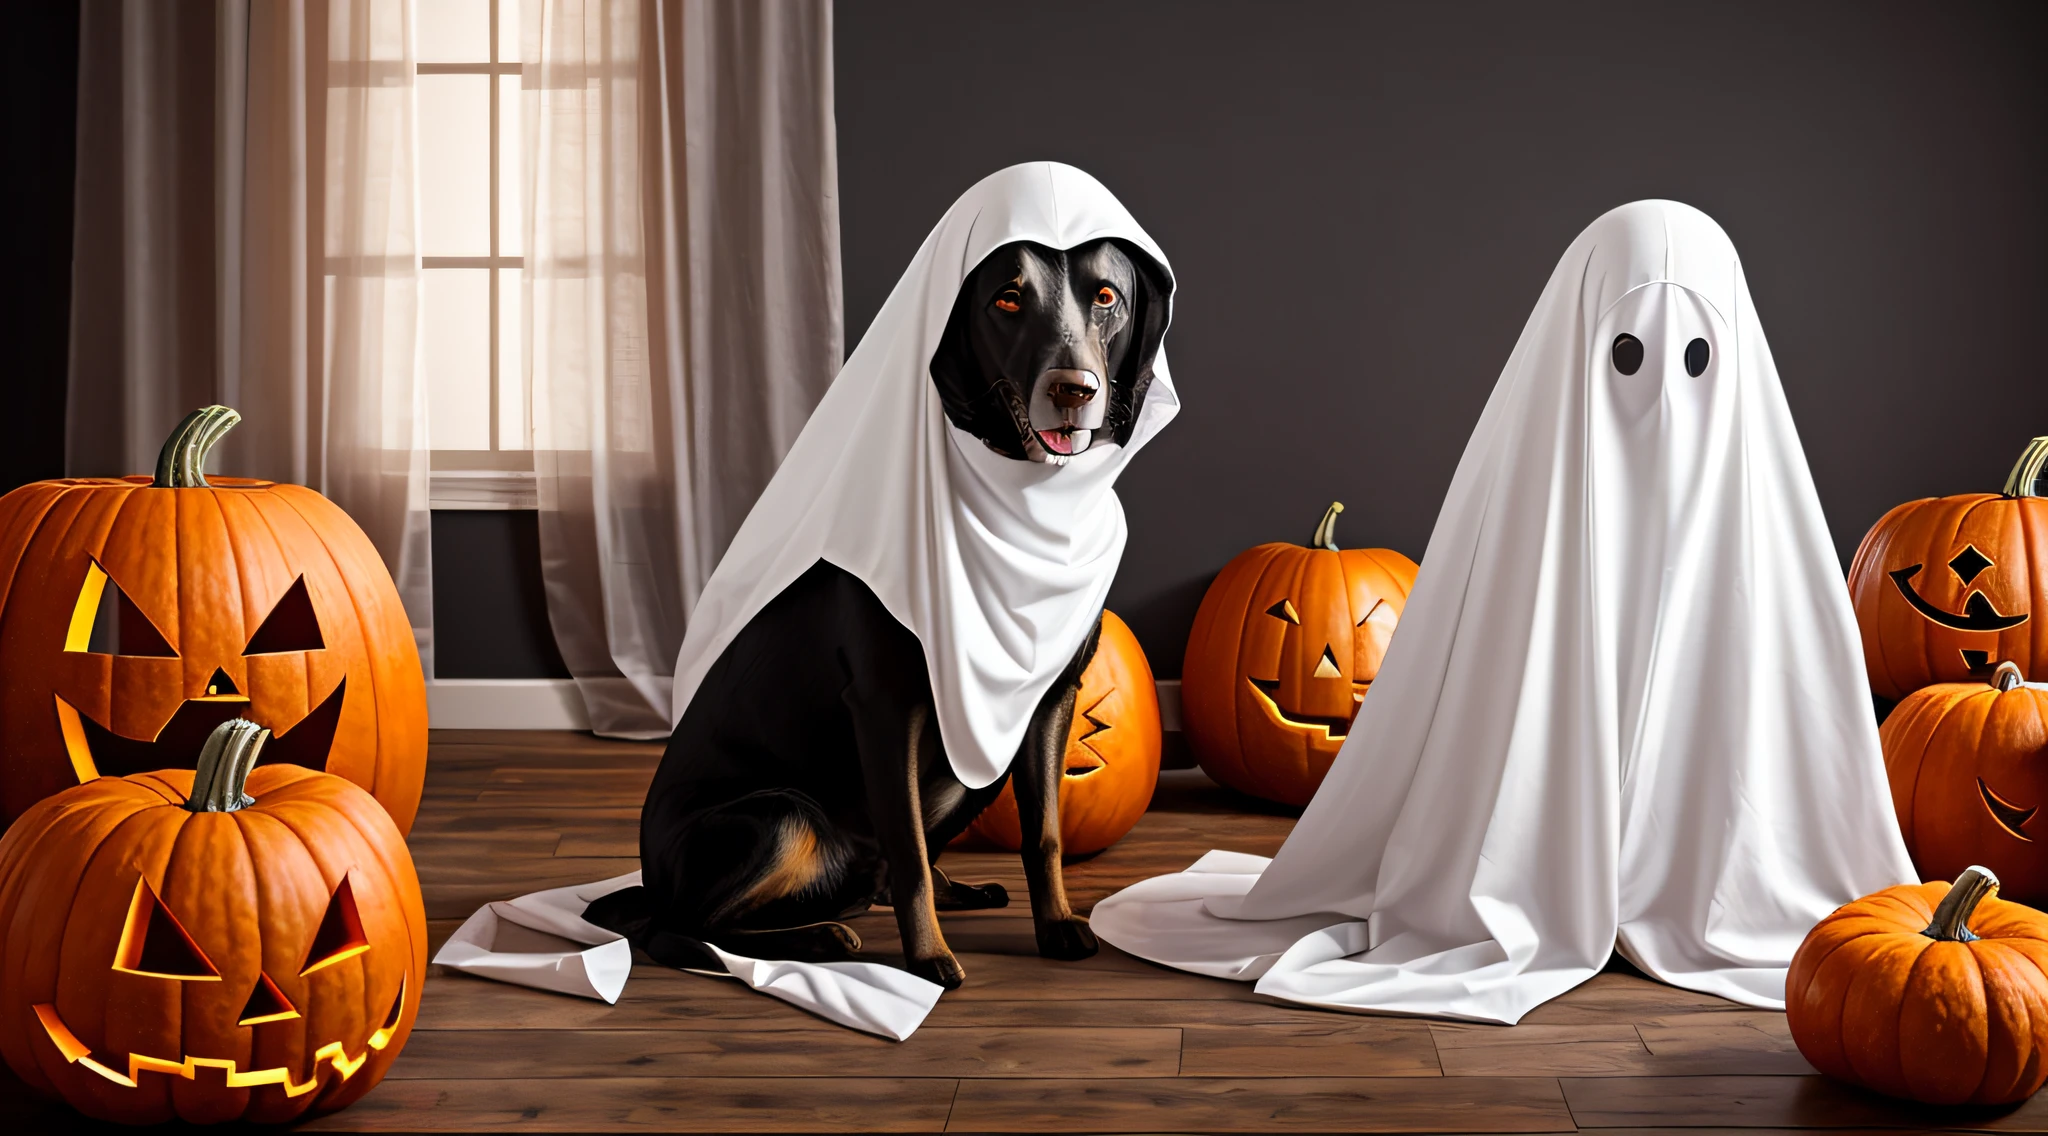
1626	705
998	566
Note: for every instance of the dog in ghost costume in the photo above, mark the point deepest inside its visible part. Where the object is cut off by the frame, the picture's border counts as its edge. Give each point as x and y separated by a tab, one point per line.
902	621
1625	708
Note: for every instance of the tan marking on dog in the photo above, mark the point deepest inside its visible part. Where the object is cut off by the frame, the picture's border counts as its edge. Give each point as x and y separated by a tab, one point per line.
797	866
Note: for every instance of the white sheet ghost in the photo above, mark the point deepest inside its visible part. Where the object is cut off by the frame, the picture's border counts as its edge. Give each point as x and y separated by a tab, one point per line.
1626	704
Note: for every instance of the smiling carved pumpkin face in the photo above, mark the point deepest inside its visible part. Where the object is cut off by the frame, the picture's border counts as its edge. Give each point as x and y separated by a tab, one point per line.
135	617
1111	764
1946	586
1286	643
1968	765
257	961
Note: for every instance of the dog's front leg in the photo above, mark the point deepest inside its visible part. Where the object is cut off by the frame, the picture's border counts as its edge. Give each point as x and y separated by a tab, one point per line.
891	765
1061	933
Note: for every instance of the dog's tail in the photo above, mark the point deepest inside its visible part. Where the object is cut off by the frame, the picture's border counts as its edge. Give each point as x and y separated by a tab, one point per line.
631	912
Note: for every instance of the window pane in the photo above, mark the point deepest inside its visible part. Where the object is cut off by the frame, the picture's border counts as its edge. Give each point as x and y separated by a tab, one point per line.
455	165
457	331
508	31
511	168
455	31
513	433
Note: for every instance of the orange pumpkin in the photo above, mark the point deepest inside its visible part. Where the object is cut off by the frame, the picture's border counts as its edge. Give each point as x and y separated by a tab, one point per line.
1946	586
171	948
1926	991
1968	764
136	614
1112	762
1286	643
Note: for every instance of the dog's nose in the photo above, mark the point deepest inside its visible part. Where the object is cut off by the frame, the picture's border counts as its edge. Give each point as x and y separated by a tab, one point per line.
1071	389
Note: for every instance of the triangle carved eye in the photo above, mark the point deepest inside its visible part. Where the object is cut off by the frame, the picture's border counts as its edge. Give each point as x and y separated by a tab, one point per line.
1284	610
266	1004
155	945
290	626
106	622
341	932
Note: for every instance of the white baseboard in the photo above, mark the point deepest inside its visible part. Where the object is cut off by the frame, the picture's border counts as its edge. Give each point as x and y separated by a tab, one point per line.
553	704
505	704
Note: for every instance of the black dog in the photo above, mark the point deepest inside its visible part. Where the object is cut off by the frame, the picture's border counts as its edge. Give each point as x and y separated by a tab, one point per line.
806	780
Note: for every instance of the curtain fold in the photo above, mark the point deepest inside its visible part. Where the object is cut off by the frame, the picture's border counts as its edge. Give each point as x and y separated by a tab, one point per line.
683	306
245	233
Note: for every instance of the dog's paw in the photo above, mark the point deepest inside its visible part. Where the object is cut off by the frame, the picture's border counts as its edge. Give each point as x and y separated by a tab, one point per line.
973	897
1066	939
943	969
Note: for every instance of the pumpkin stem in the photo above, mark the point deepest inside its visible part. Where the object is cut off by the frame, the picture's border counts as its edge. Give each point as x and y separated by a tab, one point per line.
1326	532
1952	918
224	764
180	464
2029	476
2007	676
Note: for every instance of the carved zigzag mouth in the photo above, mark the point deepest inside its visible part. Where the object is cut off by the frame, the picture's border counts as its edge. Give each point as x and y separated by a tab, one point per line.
97	751
1332	728
335	1054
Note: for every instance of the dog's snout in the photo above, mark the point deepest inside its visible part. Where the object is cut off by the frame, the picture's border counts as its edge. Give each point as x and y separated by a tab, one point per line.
1070	389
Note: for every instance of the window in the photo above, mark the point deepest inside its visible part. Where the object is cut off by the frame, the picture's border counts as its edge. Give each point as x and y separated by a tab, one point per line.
479	412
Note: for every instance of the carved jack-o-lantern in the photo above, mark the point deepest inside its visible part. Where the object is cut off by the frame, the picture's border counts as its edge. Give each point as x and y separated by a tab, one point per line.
1112	760
1968	764
1284	647
1946	586
233	945
137	614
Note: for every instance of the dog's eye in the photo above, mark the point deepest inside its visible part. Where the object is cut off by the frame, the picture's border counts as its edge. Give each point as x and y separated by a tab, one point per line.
1008	300
1106	298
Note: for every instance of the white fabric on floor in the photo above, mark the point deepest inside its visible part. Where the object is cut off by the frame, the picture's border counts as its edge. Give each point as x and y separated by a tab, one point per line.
1626	705
542	940
999	566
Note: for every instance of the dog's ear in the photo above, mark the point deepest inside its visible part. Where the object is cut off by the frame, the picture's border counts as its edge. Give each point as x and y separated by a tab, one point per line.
953	365
971	398
1152	309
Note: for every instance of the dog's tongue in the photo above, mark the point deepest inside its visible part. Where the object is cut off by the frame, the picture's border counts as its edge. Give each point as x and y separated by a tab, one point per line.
1058	441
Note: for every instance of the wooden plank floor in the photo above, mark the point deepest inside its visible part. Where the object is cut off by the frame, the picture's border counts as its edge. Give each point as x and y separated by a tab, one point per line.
1110	1044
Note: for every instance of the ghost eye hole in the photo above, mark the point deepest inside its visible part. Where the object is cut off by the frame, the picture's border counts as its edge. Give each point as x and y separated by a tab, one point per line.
1628	354
290	626
1285	610
341	932
1696	356
1009	299
155	945
105	621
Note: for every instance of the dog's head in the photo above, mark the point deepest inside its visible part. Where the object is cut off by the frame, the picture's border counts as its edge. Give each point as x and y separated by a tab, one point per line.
1050	351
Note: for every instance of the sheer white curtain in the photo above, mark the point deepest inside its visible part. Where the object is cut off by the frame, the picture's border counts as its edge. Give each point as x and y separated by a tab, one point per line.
245	234
683	306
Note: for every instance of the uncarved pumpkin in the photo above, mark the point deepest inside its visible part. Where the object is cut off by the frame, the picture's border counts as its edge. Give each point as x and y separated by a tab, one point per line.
1286	643
172	949
1968	764
138	613
1926	991
1945	587
1112	759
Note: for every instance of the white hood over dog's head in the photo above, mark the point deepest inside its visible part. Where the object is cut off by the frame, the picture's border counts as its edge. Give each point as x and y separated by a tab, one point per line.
997	565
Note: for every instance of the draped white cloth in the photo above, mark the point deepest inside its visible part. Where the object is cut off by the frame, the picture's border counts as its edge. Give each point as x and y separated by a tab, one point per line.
998	566
1626	705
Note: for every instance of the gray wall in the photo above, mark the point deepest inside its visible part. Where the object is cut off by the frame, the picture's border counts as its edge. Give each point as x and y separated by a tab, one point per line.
1362	202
